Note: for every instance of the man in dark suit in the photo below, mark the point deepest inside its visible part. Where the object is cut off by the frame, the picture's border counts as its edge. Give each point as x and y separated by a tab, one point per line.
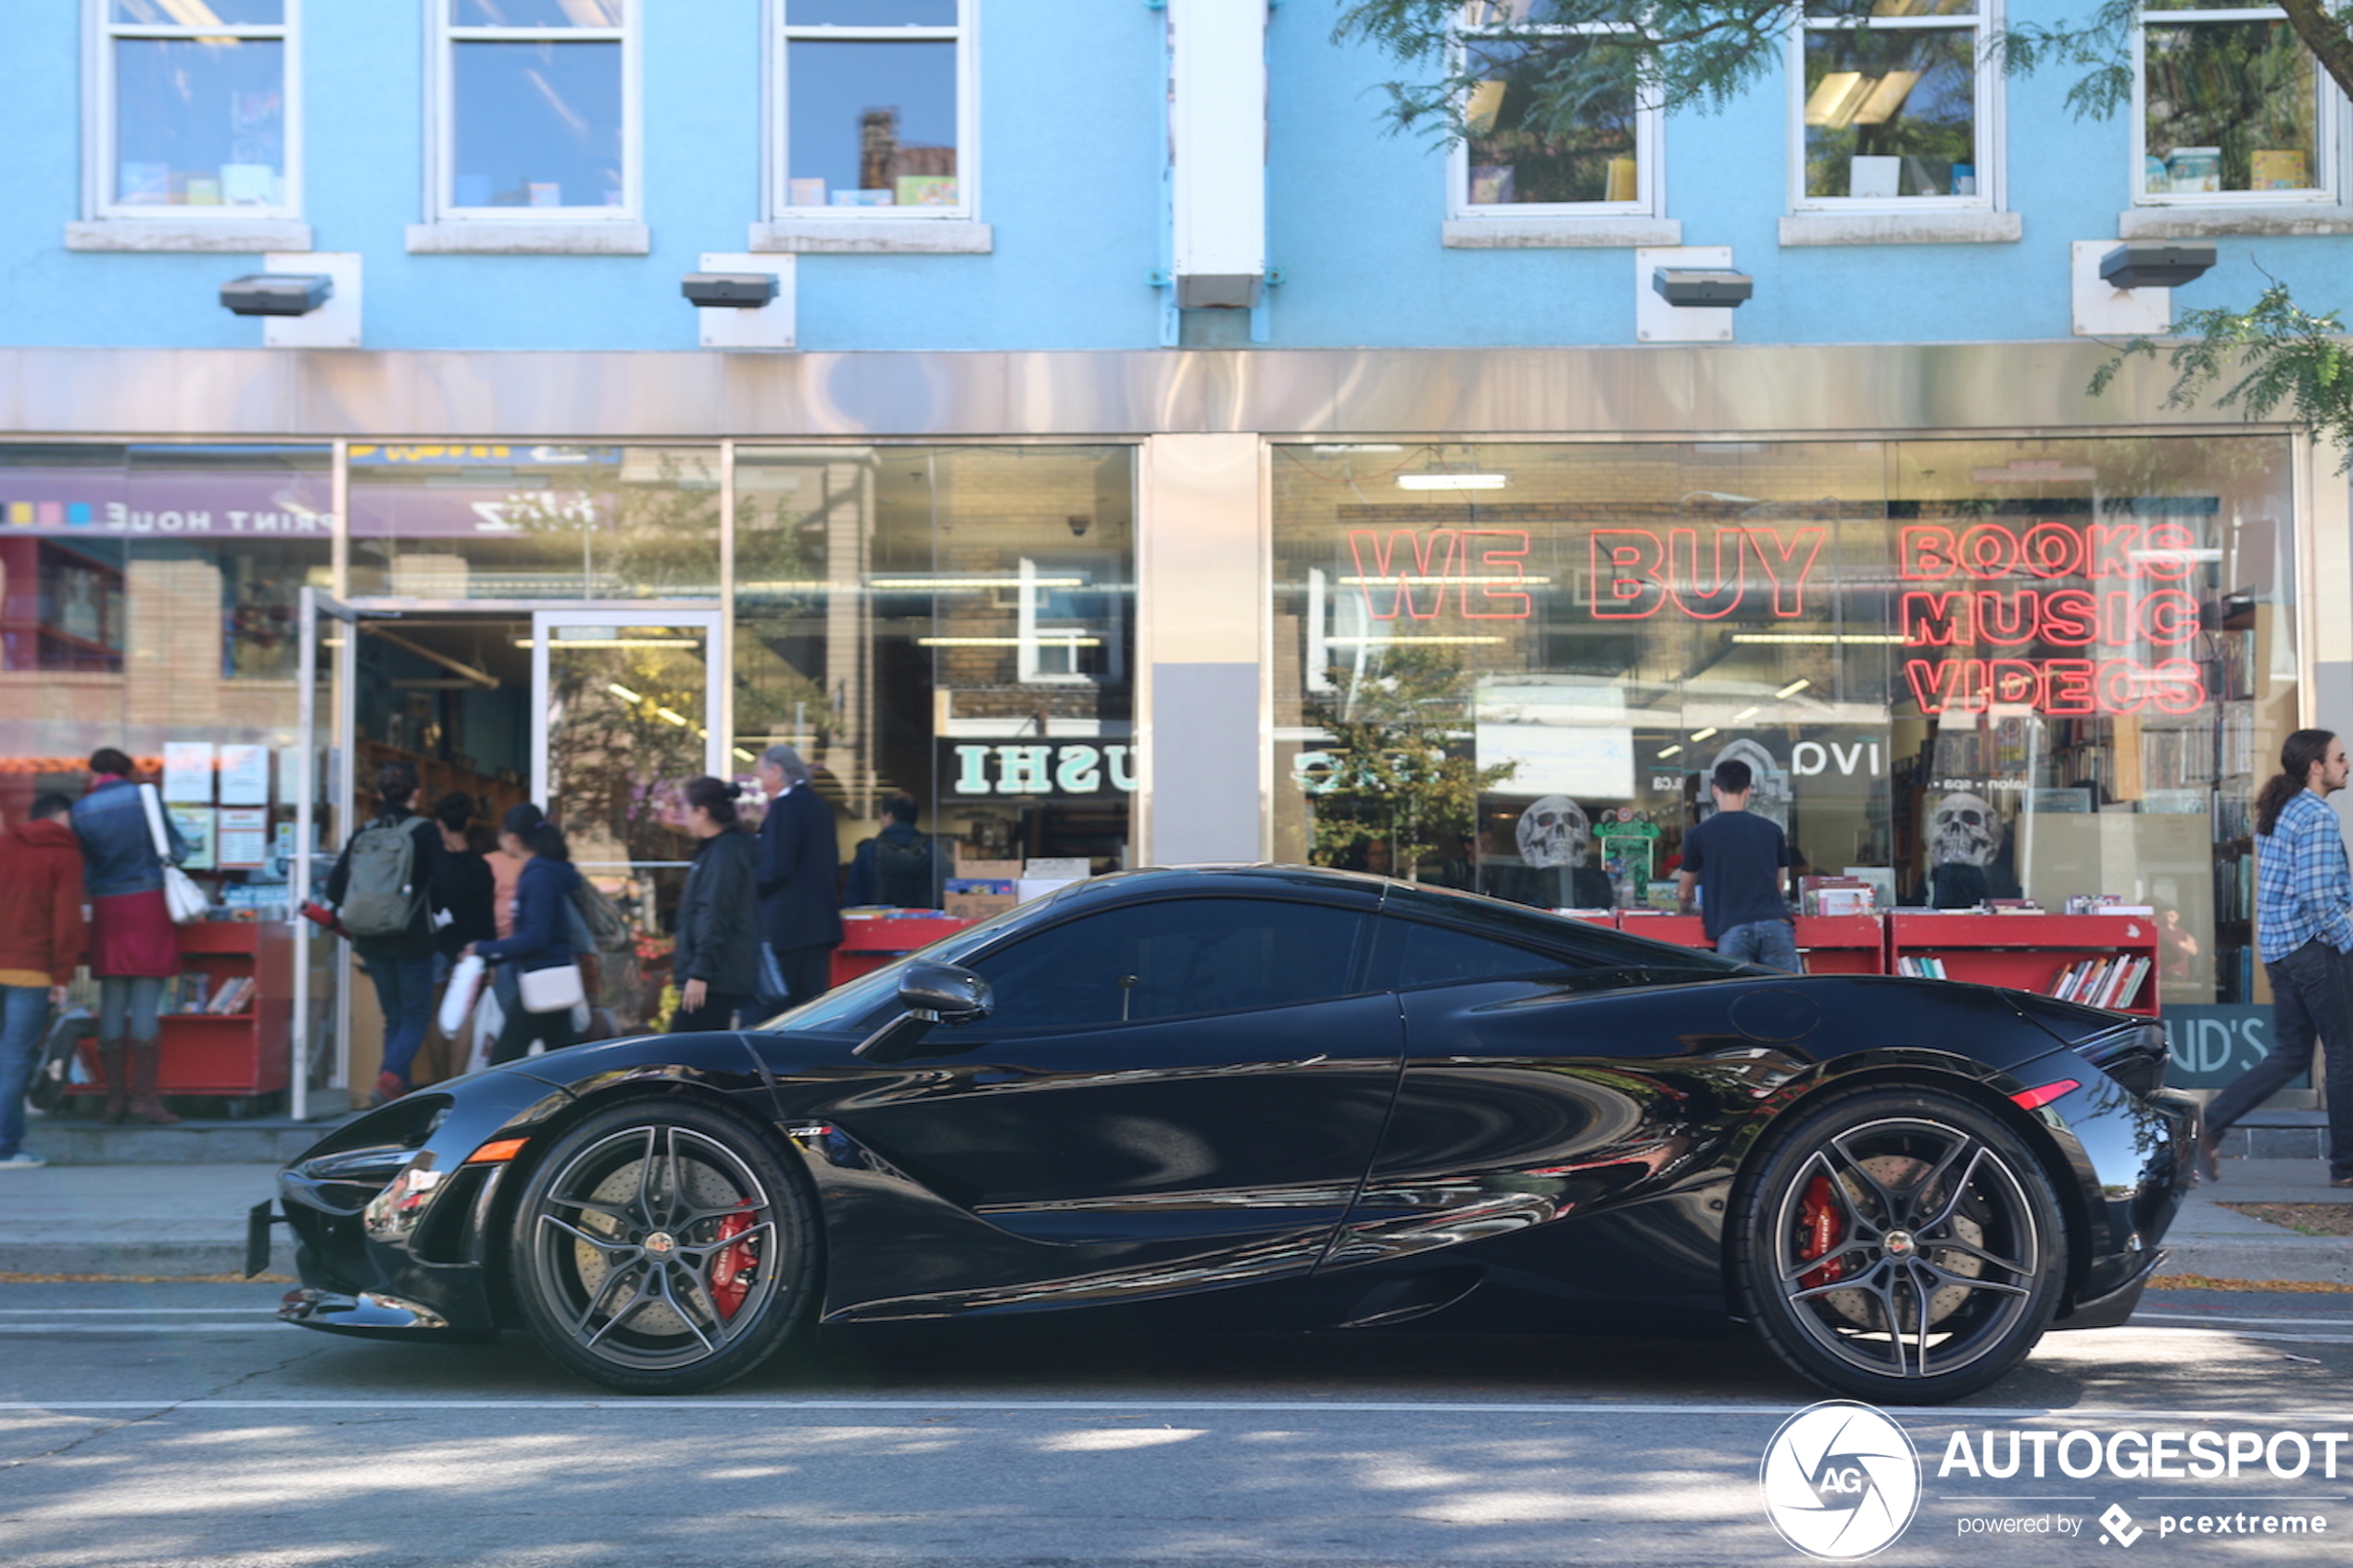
799	911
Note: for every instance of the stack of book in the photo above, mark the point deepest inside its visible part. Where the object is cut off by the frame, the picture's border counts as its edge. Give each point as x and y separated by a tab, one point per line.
2101	983
1920	966
1837	896
196	992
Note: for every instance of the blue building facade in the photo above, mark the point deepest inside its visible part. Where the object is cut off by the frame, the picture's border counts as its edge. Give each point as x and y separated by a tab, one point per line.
1132	404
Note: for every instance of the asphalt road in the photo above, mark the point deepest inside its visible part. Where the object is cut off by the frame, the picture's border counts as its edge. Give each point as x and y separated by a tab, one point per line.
176	1424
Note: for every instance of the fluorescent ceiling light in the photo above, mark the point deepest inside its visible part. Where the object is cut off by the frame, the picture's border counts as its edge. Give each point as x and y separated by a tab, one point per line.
1703	734
1744	713
948	584
623	693
1893	638
1670	751
1440	480
1487	581
1793	687
2174	558
1407	638
1043	639
745	755
1836	97
615	642
672	715
1887	97
1347	448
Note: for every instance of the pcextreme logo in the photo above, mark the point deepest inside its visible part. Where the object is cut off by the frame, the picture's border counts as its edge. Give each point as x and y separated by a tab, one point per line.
1841	1480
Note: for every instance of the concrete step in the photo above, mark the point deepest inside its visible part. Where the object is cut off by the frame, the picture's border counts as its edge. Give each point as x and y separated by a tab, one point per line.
262	1141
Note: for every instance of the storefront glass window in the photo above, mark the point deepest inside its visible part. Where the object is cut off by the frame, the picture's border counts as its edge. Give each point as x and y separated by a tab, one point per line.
1961	669
516	521
955	623
2229	101
148	597
199	96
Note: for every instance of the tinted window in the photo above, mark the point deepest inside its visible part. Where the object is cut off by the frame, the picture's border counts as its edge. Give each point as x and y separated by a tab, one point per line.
1412	954
1579	946
1171	959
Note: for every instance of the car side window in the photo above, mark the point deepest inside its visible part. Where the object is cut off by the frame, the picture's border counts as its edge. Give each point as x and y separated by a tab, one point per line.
1410	953
1171	960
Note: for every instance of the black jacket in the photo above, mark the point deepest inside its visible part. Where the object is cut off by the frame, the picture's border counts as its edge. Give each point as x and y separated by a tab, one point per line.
417	941
462	884
800	858
718	918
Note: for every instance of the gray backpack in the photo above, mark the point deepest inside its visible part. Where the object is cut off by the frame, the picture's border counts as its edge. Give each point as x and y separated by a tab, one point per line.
380	896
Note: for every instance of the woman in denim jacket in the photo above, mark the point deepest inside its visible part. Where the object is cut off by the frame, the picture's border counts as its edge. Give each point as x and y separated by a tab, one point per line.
133	948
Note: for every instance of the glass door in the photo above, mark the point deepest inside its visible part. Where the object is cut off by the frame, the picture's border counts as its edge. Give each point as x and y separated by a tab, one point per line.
625	710
314	776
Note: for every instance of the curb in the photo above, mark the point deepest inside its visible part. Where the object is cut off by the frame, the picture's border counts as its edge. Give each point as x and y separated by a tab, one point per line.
172	1259
2311	1260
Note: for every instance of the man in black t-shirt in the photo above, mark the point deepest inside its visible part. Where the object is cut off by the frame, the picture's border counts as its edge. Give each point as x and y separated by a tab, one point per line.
1740	861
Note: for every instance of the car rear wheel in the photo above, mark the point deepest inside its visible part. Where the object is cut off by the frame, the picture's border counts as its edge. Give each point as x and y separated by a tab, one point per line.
1900	1247
664	1246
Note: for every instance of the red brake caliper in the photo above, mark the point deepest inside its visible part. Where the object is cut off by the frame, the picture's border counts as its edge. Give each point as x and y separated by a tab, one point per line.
1824	1230
731	1272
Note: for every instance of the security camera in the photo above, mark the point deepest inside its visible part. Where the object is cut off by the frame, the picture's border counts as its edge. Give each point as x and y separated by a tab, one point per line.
277	293
730	290
1702	286
1079	525
2164	265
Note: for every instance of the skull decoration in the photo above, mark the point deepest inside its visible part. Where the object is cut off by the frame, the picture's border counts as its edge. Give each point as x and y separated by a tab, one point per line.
1552	832
1963	830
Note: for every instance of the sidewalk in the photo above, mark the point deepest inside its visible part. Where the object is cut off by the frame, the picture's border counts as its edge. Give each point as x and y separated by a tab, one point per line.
180	1220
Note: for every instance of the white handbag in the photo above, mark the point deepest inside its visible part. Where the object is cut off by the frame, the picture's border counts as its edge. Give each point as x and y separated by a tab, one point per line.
555	989
182	895
458	997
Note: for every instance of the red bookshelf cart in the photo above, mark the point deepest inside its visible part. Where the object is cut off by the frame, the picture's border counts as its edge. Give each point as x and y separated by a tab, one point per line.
870	943
2029	952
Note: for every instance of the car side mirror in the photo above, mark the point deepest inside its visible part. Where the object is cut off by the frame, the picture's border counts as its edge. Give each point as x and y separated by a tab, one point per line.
928	993
955	996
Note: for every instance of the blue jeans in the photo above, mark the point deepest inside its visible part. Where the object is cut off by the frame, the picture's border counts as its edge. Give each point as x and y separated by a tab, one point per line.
24	1019
404	989
1772	943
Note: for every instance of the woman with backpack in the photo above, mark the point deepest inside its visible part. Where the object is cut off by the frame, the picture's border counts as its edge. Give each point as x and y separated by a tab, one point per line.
542	942
134	949
716	962
379	889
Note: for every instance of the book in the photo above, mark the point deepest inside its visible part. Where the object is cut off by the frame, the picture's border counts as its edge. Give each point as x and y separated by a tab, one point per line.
806	193
926	189
2280	168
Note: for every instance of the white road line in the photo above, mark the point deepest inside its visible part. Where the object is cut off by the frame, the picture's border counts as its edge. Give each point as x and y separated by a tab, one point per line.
2257	1333
1943	1415
260	1324
246	1310
2218	1317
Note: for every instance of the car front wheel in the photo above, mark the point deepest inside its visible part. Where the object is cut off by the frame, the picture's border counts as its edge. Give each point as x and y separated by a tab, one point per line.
664	1246
1899	1246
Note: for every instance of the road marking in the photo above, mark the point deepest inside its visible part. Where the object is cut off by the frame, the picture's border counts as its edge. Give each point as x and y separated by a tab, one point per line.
247	1309
2257	1334
62	1328
2217	1317
1943	1415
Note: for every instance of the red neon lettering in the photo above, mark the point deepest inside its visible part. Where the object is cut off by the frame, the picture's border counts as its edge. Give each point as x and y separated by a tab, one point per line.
1723	595
2116	684
2179	687
2014	681
2067	686
2068	617
1439	543
1625	575
1924	554
1936	620
2051	549
2009	623
2173	542
1947	685
1495	601
2107	548
1781	564
2116	617
2169	617
1988	551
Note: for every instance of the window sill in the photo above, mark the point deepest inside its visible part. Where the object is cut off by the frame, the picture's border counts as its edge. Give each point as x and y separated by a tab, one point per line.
592	238
1627	232
2201	221
244	236
873	237
1945	228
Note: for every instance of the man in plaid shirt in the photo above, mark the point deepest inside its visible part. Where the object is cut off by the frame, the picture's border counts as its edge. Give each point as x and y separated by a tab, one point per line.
2304	931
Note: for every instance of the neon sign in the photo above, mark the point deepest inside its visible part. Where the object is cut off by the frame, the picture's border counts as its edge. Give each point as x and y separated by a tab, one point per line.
1636	573
1485	568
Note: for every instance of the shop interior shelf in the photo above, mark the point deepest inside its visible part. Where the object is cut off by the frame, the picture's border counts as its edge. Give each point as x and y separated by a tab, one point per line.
2026	952
1843	944
238	1054
869	943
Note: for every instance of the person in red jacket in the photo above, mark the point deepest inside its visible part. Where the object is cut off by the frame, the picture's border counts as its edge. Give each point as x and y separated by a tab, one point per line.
43	933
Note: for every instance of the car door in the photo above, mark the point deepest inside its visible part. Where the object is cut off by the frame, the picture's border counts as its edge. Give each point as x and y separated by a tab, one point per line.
1180	1078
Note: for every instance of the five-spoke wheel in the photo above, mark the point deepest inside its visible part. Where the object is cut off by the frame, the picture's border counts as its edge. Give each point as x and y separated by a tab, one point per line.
662	1247
1900	1246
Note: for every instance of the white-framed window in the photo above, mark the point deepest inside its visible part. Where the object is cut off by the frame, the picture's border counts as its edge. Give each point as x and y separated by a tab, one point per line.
1895	106
1608	166
2229	106
1069	627
196	109
871	110
535	110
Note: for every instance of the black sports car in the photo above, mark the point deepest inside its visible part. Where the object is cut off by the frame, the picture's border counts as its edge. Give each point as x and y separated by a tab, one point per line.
1340	1099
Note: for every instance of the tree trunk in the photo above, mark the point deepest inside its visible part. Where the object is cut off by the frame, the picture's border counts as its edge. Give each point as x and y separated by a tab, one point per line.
2325	36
